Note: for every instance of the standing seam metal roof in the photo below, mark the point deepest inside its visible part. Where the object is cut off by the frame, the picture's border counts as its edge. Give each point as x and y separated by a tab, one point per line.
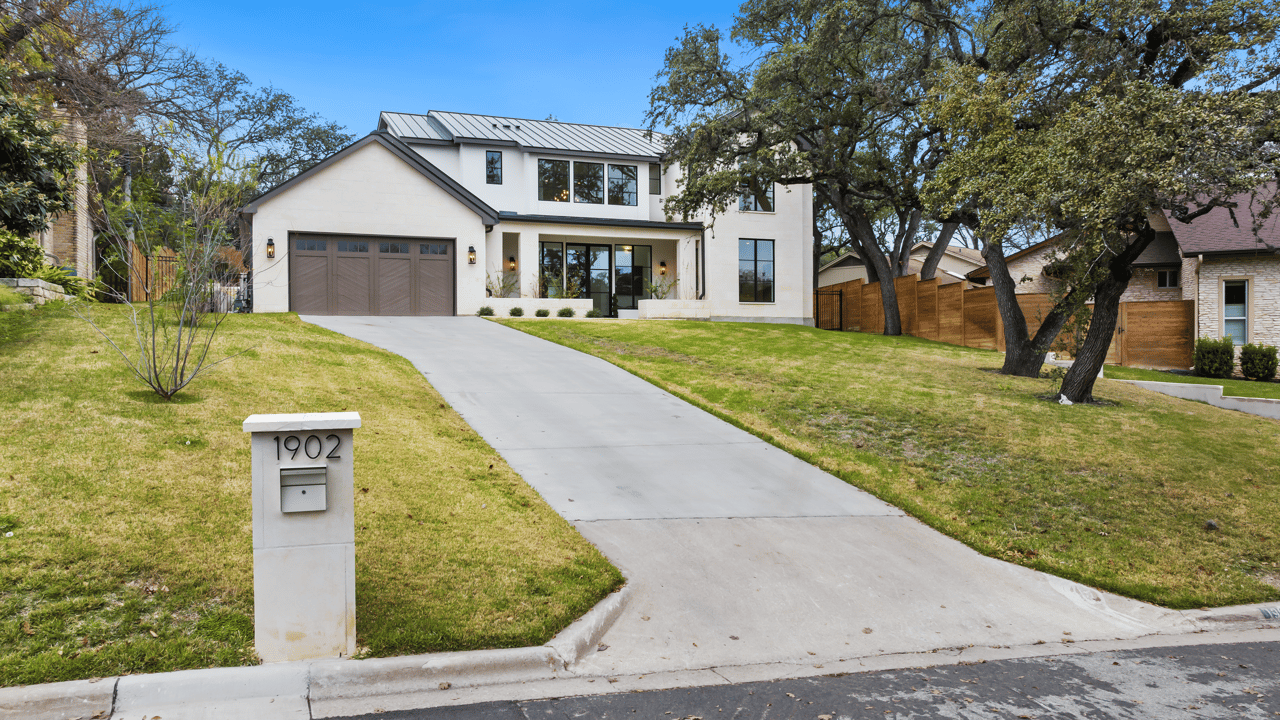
530	134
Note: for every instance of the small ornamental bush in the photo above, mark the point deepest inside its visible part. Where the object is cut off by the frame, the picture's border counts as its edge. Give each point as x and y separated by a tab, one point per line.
542	312
516	312
1215	358
593	313
566	312
485	311
19	257
1258	362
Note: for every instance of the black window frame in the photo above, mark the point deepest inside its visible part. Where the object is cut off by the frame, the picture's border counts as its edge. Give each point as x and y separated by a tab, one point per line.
583	186
489	167
632	194
757	294
750	202
546	173
655	178
1164	273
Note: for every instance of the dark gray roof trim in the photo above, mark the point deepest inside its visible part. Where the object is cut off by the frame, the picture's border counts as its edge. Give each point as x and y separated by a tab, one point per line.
398	148
601	222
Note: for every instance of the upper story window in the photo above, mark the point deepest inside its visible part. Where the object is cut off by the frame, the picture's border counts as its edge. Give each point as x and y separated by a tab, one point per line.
757	196
622	184
493	167
553	180
1168	278
588	182
655	179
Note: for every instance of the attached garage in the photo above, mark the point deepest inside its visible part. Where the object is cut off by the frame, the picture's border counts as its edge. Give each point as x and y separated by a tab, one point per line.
375	229
371	275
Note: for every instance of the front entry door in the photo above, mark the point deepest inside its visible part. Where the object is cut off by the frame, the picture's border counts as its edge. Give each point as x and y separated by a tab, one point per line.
587	267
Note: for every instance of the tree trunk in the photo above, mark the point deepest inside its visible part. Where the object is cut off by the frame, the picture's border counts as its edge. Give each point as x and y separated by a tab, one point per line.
1024	355
940	243
859	228
1077	386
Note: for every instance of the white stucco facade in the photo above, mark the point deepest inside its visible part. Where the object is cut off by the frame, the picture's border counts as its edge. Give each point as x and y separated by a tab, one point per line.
388	186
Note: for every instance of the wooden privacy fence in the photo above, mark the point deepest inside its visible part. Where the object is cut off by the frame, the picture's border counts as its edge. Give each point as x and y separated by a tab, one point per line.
152	275
1148	334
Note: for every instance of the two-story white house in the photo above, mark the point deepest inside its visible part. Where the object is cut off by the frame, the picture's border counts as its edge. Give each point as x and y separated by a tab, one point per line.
443	213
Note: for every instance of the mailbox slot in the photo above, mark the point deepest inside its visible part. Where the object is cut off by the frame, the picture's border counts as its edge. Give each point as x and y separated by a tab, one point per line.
303	489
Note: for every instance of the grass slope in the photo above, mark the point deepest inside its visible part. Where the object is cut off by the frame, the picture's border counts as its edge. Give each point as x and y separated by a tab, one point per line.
1115	496
1230	386
132	538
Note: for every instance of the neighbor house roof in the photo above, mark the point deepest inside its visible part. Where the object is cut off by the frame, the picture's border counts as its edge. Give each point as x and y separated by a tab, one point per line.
1215	233
400	150
439	127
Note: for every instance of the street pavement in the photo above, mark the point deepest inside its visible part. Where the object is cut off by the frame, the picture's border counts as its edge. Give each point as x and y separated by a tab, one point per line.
1239	680
738	554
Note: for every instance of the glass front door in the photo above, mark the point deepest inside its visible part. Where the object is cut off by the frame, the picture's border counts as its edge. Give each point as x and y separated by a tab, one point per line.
632	267
588	269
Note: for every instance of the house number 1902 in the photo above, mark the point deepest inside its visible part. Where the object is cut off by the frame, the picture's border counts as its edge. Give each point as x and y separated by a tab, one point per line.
294	443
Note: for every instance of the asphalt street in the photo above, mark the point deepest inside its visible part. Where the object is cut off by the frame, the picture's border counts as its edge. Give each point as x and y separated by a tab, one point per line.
1240	680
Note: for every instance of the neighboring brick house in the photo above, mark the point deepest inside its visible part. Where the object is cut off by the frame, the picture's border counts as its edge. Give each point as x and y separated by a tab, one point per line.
952	266
69	238
1231	275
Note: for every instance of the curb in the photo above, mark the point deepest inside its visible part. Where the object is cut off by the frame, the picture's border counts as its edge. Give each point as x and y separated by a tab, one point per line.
286	690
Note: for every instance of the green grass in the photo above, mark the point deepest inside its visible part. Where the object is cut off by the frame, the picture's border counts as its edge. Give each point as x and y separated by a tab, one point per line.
132	538
1230	386
12	297
1114	495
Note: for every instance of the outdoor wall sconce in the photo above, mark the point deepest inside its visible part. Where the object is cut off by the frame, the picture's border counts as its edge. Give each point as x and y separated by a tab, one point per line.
471	255
662	268
511	262
271	248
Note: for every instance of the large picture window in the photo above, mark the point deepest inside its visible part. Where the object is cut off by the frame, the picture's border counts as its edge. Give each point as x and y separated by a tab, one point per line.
1235	310
755	270
588	183
493	167
757	196
622	184
553	180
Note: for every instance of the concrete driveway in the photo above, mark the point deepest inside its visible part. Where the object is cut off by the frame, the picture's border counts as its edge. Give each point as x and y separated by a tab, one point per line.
740	555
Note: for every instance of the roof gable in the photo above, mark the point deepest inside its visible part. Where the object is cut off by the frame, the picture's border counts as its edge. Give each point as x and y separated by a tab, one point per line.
553	135
396	147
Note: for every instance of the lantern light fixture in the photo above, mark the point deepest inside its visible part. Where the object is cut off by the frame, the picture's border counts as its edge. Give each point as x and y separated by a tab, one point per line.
271	248
471	255
662	267
511	263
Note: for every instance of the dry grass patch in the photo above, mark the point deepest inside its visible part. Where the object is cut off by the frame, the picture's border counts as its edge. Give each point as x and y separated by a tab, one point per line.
132	538
1115	496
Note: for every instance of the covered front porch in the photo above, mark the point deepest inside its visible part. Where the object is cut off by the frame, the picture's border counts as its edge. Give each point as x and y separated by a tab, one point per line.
614	270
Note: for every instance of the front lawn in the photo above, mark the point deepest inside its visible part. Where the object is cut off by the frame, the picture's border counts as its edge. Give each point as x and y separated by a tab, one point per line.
1115	495
1230	386
131	538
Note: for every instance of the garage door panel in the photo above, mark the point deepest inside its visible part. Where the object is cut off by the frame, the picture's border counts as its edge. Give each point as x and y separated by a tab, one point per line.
435	287
309	285
395	291
353	286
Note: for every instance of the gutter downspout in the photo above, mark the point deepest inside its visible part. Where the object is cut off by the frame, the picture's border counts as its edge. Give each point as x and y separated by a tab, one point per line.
701	259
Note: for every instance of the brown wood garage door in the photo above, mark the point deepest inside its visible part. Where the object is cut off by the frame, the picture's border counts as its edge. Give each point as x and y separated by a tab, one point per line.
365	275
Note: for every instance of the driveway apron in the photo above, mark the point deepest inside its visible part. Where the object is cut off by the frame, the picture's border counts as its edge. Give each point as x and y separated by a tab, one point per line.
739	553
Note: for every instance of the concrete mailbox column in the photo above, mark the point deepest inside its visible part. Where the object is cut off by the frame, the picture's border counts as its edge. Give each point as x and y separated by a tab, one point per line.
304	551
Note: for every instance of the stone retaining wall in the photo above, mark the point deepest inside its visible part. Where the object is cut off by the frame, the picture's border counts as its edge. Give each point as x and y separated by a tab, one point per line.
39	291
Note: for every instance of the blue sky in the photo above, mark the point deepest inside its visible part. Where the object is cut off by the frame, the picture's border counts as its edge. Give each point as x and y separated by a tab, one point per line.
586	62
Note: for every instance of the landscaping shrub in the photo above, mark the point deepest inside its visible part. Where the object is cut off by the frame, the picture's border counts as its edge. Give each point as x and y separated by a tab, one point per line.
484	311
1215	358
516	312
1258	362
593	313
542	312
566	312
19	257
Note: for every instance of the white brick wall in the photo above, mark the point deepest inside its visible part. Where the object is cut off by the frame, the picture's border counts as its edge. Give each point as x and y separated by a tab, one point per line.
1263	274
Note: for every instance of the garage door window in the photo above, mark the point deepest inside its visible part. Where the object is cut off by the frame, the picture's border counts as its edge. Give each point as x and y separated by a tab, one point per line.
394	248
354	247
316	245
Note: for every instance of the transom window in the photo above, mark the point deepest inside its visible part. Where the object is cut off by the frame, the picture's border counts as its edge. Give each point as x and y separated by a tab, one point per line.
1235	310
755	270
588	182
1168	278
493	167
394	248
757	196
